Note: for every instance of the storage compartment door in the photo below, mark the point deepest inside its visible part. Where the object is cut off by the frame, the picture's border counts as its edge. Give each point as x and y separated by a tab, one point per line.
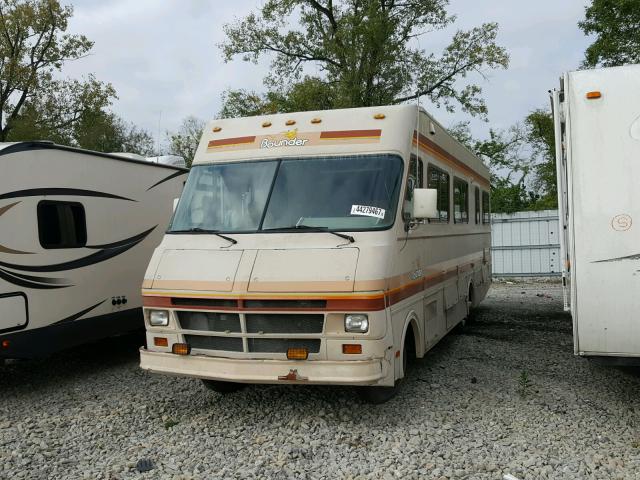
13	312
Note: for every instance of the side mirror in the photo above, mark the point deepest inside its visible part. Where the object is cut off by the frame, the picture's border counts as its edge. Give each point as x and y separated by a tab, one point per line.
425	203
175	203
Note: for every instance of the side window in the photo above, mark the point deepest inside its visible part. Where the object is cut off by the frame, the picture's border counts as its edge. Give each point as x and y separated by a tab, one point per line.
419	171
486	211
439	179
415	179
460	201
61	225
477	204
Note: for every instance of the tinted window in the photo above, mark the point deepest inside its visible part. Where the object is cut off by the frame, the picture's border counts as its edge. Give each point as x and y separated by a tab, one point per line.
341	193
347	193
460	201
415	179
439	180
230	197
62	225
486	211
476	202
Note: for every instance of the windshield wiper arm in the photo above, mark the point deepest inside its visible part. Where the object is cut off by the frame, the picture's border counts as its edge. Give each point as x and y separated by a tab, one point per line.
205	231
311	228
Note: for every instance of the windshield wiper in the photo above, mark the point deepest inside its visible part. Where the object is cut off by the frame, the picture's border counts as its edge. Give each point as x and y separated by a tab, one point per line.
205	231
310	228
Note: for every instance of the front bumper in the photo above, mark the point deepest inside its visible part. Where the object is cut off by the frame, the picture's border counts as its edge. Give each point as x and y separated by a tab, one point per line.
319	372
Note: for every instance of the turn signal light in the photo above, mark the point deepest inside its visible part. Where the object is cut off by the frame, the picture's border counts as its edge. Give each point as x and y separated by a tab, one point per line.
297	353
351	348
594	95
181	349
160	342
6	344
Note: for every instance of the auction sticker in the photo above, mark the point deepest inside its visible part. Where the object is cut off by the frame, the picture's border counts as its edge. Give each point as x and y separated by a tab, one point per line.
367	211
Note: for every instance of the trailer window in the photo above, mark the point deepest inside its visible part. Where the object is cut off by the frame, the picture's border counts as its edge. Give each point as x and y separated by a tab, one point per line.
486	208
476	202
439	180
62	225
460	201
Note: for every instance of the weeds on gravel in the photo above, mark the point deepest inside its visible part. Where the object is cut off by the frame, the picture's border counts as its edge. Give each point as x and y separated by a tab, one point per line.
170	423
524	384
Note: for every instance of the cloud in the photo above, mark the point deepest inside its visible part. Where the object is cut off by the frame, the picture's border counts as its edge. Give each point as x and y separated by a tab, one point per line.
163	59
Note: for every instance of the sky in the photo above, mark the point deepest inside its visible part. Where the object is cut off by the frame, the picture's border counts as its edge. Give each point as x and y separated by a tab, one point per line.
163	60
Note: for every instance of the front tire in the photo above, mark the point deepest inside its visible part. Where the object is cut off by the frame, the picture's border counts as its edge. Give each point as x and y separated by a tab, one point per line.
223	387
377	395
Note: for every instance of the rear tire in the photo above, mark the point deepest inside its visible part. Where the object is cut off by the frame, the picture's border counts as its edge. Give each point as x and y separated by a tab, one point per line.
378	395
223	387
470	302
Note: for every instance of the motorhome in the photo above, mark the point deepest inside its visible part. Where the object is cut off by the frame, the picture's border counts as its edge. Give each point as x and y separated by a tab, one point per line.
321	247
597	127
77	229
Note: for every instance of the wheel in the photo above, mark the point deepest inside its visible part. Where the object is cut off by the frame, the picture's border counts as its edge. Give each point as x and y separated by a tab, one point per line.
470	308
223	387
377	395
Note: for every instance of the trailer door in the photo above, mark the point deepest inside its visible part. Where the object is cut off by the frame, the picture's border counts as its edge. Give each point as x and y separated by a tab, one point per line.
605	209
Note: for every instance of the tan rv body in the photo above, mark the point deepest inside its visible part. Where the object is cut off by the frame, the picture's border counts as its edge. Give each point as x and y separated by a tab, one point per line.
425	278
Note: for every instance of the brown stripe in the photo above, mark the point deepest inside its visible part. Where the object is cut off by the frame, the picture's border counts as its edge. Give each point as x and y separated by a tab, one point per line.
350	134
356	303
6	208
333	305
231	141
444	155
4	249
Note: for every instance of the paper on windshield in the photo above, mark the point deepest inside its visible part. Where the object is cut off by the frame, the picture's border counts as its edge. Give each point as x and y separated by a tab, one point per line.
367	211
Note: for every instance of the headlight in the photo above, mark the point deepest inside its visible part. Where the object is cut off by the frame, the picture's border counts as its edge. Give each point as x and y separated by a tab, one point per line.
158	318
356	323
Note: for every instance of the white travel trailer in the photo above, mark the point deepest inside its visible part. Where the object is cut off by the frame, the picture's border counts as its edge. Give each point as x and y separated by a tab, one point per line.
318	248
77	229
597	125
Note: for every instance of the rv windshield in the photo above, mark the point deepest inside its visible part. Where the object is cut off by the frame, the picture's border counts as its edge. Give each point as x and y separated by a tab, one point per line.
333	193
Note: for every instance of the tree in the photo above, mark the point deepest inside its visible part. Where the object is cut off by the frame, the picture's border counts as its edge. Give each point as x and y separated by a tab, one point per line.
185	142
521	160
365	52
57	109
616	24
107	132
34	46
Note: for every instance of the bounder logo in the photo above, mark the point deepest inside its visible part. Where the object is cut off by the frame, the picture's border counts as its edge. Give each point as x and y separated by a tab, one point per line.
290	140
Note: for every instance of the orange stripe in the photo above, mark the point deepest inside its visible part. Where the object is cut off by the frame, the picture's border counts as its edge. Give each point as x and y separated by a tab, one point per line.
347	134
351	303
431	147
226	142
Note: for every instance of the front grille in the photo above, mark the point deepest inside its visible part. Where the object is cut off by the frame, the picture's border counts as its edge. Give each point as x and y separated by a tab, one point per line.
230	344
284	304
204	302
281	345
210	322
264	332
284	323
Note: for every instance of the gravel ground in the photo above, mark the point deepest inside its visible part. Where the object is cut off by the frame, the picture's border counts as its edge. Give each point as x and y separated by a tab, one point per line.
504	396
